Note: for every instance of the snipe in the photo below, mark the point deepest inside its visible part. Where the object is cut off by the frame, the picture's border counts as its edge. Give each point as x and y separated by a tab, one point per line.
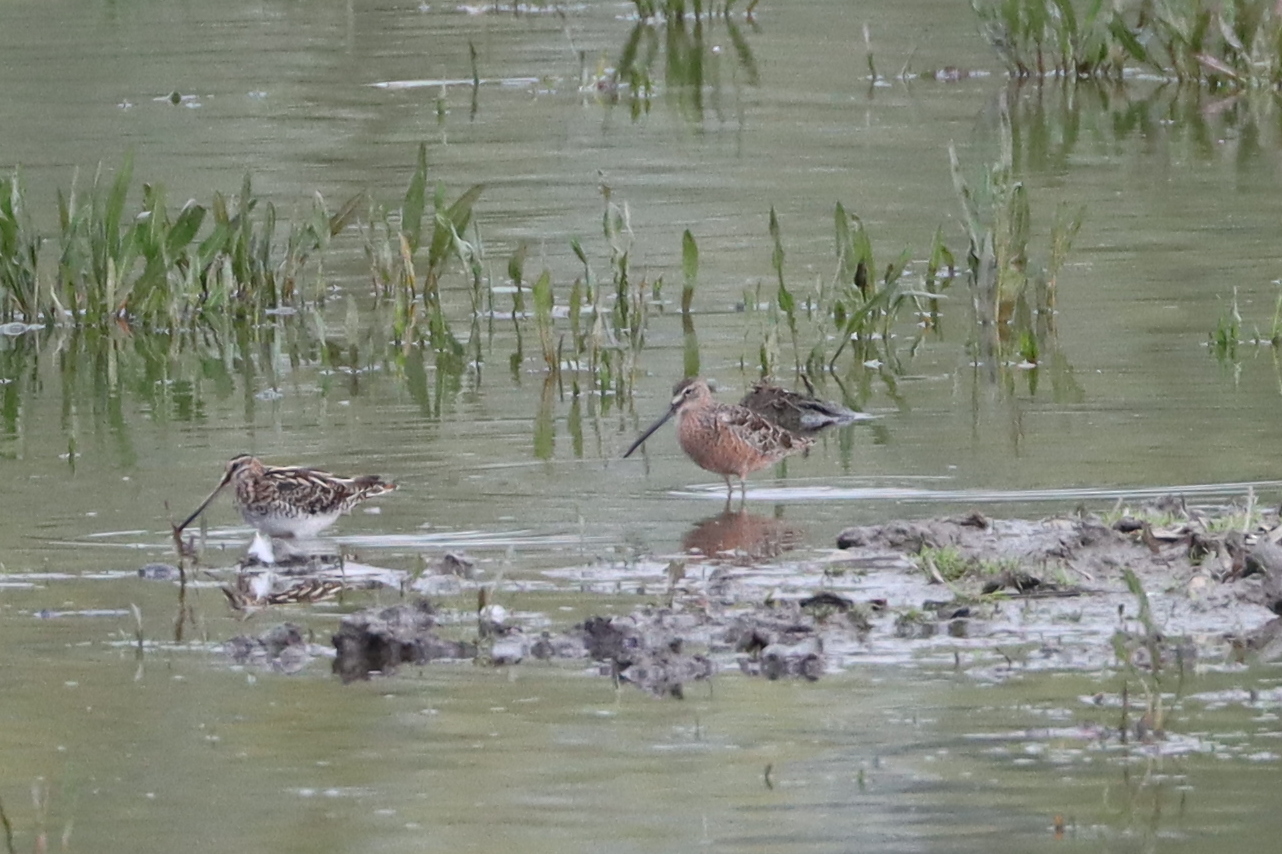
796	411
287	501
723	438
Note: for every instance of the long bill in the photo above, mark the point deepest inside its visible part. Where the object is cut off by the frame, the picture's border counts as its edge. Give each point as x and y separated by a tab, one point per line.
201	509
663	419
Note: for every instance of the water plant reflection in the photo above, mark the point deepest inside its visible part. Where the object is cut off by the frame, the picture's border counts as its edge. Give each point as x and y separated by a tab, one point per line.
171	376
691	66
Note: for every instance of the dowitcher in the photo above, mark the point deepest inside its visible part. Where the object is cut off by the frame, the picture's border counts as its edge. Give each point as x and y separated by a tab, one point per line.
287	501
722	438
793	410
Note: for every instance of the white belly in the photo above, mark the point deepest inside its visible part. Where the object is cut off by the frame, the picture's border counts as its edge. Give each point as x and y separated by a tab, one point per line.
301	527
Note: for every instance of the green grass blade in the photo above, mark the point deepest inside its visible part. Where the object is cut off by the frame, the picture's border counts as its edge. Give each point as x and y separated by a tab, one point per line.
689	269
184	229
777	254
415	200
114	211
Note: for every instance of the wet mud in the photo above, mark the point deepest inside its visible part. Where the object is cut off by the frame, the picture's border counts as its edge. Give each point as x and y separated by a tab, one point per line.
1164	586
379	640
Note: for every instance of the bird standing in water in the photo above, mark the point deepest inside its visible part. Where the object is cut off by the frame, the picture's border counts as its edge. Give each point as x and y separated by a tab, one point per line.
723	438
289	502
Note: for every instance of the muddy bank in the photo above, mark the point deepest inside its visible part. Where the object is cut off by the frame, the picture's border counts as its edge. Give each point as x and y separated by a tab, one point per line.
1205	558
1164	586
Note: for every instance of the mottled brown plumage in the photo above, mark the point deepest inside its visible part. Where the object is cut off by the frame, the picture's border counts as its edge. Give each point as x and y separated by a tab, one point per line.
284	501
792	410
722	438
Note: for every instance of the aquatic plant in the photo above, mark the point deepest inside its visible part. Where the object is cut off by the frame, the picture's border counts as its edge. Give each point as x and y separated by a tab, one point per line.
690	276
154	269
541	295
855	311
689	269
1225	45
19	255
1045	37
865	305
784	298
245	271
1227	333
615	333
947	562
1141	654
607	320
1013	299
419	315
1228	44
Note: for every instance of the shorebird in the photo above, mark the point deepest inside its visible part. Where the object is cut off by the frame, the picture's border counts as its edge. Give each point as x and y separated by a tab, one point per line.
723	438
287	501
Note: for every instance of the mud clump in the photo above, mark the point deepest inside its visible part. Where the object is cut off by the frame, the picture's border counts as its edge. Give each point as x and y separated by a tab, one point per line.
776	643
911	536
379	640
283	648
650	648
645	649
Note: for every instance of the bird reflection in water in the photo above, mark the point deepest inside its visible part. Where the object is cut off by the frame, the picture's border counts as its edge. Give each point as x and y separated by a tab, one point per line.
741	536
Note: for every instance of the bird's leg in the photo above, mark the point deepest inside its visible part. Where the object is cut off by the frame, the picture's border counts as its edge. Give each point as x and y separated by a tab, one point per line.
729	489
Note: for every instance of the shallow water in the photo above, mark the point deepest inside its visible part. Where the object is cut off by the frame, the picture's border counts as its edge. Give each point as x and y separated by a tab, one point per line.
177	747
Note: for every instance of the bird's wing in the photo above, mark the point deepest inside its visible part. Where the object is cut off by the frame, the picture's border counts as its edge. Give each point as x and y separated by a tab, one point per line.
761	434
